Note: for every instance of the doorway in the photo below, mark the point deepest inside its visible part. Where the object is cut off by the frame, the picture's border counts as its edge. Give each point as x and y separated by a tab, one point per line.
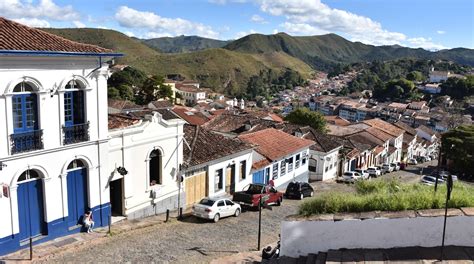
116	197
30	205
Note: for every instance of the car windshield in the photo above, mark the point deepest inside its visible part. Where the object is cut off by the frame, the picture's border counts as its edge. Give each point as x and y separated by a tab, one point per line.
348	174
255	189
293	186
208	202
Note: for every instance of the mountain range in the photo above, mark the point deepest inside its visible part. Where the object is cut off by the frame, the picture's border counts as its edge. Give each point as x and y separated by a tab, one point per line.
226	66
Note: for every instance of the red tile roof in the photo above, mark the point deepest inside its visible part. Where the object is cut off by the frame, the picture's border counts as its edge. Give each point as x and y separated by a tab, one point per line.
385	126
275	144
17	37
117	121
192	117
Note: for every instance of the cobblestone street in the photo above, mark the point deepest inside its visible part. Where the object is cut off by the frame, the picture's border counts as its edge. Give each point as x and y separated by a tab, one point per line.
193	240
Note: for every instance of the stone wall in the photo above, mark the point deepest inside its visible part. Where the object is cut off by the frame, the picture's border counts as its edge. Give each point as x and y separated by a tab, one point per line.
301	236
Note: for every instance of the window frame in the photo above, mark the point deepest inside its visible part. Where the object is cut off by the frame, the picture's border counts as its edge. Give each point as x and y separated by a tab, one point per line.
219	180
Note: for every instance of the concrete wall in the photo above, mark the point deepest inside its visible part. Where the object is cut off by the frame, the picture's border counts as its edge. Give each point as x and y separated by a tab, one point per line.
300	238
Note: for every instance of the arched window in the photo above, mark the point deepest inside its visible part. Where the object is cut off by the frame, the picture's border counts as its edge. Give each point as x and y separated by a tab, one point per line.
28	175
76	164
26	135
155	168
73	104
76	129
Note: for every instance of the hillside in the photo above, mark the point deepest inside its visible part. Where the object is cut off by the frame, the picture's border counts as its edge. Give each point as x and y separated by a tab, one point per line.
323	52
223	70
137	54
182	44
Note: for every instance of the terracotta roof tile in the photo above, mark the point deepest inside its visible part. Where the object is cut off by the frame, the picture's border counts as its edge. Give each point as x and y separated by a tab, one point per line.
206	146
17	37
275	144
117	121
192	117
385	126
408	129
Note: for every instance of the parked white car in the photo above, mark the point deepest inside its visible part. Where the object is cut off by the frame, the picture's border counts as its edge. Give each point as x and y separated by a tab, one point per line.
374	172
412	162
431	180
363	173
395	165
215	209
351	176
387	168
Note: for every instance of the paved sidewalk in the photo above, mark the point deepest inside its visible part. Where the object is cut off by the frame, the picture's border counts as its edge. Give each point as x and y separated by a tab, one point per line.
46	250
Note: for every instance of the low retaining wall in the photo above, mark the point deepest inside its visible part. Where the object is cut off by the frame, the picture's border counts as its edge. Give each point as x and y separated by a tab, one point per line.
301	236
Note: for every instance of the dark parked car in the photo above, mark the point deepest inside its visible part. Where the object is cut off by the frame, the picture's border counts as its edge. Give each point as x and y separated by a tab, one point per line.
299	190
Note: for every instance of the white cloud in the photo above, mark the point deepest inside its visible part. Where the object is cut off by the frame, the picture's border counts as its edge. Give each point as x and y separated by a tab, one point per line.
45	9
441	32
79	24
302	29
244	33
275	31
157	25
425	43
311	17
33	22
258	19
129	33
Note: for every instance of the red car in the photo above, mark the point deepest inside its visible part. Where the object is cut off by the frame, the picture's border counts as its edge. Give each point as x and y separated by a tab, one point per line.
252	194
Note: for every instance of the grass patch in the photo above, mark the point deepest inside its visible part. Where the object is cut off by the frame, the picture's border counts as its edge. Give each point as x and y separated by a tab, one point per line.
379	195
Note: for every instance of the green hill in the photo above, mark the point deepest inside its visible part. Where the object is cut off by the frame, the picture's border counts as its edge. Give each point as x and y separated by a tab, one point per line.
223	70
323	52
137	54
182	44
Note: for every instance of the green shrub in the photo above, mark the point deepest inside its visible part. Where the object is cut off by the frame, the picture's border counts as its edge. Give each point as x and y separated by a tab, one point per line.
393	195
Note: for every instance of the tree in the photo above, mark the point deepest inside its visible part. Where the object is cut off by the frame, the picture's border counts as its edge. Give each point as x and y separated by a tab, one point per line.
457	145
458	88
303	116
153	89
415	76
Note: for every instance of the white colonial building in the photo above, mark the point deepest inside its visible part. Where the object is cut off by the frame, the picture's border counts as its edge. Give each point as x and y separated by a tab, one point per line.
53	147
145	153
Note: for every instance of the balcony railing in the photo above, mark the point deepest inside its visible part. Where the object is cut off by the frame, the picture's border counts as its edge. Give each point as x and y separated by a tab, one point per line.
27	141
76	133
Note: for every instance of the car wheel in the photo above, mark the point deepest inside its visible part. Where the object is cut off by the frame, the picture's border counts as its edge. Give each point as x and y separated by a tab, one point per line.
279	201
311	194
216	218
237	213
301	196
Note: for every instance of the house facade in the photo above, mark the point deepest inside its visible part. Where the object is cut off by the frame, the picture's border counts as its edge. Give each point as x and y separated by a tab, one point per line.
144	158
54	135
279	157
213	165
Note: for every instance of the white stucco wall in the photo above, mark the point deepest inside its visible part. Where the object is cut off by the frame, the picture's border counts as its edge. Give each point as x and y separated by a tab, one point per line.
49	75
289	176
223	164
325	159
132	152
300	238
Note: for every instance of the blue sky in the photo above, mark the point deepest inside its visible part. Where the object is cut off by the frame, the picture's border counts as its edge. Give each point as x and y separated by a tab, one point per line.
430	24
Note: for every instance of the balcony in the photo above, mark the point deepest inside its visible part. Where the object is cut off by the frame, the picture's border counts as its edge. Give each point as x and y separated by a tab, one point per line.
27	141
76	133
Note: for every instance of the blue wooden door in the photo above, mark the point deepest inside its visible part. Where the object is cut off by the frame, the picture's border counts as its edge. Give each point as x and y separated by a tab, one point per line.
258	177
30	209
76	196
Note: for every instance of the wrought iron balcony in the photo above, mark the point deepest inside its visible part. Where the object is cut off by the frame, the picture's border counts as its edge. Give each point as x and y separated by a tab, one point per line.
76	133
27	141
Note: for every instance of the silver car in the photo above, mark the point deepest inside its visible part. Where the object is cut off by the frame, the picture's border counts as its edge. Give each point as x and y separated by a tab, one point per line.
215	209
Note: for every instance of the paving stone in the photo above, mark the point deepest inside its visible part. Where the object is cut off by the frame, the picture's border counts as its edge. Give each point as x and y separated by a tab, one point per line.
469	211
346	216
399	214
369	215
439	212
66	241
